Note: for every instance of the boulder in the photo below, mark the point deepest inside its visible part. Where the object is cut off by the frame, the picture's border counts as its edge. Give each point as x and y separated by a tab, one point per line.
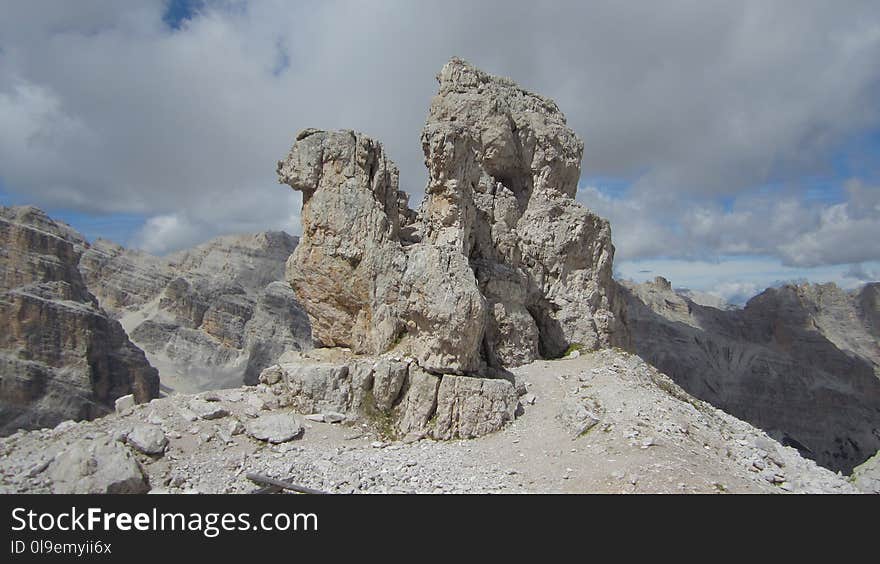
470	407
97	466
418	402
207	409
275	428
148	439
124	404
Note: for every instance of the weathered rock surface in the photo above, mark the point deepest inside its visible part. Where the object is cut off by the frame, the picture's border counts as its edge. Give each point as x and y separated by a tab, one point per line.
801	362
148	439
472	407
395	393
97	466
207	410
210	317
499	265
61	356
866	476
275	428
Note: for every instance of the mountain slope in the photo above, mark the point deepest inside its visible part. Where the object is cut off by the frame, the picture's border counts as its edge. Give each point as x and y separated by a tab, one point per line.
61	356
801	362
209	317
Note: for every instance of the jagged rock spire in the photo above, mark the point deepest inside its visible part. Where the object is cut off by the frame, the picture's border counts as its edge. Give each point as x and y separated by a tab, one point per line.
498	266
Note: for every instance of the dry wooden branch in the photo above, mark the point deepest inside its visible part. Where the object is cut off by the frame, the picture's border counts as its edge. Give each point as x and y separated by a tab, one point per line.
271	485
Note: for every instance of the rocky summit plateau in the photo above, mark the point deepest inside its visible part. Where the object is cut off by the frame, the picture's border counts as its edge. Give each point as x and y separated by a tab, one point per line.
477	343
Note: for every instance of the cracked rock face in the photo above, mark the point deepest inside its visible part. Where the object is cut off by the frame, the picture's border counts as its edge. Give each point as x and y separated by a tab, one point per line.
499	265
61	356
395	393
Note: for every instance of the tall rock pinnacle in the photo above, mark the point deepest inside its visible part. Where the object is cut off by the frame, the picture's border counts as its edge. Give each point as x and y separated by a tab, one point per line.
499	265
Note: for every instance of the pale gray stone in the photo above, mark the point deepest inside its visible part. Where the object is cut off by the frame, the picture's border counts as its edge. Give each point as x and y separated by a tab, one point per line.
388	379
207	410
124	403
470	407
866	476
275	427
148	439
96	466
418	403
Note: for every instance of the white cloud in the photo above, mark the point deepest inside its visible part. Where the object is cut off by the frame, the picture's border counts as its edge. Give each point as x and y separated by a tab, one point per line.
103	108
736	279
166	232
846	233
795	231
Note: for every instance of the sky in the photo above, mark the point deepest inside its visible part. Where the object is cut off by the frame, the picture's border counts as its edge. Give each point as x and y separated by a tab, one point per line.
732	145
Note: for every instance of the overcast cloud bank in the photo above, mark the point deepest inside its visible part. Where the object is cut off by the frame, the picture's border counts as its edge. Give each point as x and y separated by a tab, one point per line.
746	129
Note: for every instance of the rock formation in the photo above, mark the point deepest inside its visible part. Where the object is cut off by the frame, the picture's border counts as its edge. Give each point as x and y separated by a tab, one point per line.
498	267
210	317
801	362
61	356
393	392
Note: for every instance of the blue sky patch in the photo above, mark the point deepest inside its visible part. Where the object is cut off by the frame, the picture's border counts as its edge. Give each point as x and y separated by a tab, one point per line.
177	12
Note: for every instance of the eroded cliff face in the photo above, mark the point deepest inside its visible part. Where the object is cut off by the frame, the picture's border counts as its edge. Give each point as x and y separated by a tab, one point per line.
499	265
210	317
801	362
61	356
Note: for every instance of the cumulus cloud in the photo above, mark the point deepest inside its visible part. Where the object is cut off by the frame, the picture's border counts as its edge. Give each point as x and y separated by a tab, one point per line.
737	279
795	230
164	232
860	274
845	233
105	108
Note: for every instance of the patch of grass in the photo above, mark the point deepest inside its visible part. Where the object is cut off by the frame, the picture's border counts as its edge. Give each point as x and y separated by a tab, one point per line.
398	339
588	430
432	422
383	420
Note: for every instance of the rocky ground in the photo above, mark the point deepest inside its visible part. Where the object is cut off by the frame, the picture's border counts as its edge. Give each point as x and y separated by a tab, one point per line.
602	422
866	476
